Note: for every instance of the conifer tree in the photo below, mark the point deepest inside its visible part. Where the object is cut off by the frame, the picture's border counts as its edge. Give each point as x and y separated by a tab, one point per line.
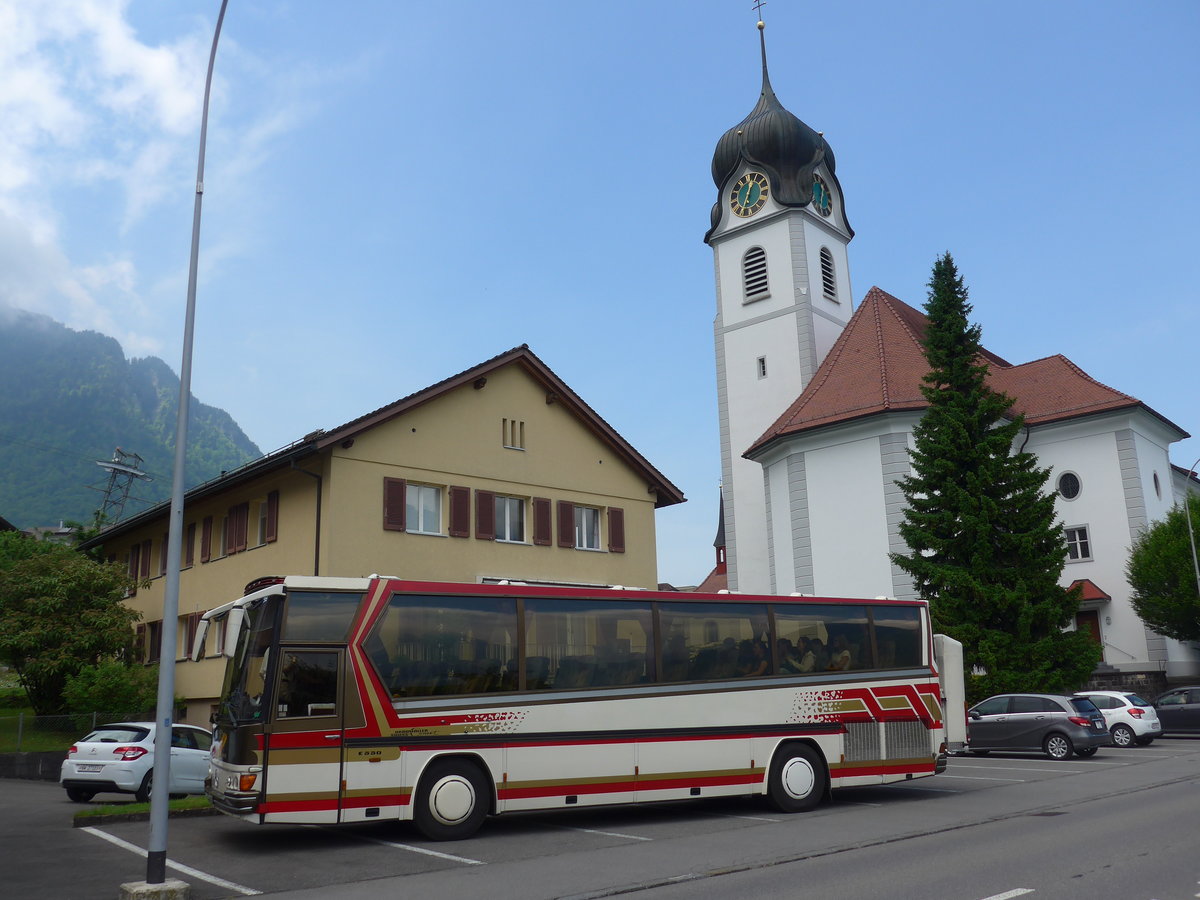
986	550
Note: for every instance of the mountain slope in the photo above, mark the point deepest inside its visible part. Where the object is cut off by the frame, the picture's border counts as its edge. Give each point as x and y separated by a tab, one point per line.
69	398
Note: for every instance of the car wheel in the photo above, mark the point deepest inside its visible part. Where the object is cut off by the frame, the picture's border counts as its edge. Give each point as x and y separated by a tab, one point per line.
1123	736
451	801
79	795
142	794
797	780
1058	746
1086	751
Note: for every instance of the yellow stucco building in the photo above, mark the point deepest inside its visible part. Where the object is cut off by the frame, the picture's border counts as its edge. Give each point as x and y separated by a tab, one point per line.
499	472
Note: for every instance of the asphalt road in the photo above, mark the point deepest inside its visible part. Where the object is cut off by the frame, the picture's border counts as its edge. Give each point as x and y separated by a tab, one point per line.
1123	824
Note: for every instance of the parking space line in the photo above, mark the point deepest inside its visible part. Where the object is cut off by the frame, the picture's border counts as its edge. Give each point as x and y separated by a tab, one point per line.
1020	769
616	834
983	778
747	818
178	867
1008	895
398	846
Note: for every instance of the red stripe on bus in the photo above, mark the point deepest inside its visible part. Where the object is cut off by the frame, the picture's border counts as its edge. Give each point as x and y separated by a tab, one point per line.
881	770
613	787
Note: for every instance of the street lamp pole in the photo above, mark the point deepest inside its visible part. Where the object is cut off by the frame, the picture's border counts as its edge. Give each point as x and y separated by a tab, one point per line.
156	858
1187	517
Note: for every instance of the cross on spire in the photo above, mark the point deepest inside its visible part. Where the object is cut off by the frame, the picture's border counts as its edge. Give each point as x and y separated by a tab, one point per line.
758	5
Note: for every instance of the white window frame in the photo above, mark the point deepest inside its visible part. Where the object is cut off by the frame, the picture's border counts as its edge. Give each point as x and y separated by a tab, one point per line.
510	512
262	523
423	502
1079	540
587	528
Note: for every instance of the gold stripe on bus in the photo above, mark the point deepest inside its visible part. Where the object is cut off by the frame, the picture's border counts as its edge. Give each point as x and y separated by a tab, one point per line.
848	705
931	704
305	796
642	779
305	756
893	703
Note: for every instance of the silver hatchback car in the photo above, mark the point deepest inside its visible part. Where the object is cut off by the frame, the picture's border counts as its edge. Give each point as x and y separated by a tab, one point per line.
1054	724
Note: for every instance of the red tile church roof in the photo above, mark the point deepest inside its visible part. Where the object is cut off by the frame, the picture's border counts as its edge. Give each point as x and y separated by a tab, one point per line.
877	364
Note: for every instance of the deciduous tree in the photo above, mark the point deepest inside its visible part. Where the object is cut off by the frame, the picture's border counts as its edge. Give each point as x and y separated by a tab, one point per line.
59	612
1163	578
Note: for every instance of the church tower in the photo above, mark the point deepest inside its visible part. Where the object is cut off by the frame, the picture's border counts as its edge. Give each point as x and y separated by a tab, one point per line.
779	235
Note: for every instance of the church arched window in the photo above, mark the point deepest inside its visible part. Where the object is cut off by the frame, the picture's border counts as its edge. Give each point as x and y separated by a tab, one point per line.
754	274
828	275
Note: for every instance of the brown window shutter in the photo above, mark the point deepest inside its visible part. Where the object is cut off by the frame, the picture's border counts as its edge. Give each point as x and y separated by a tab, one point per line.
460	512
393	504
146	550
485	515
135	558
566	523
206	529
162	554
139	644
542	528
240	516
189	545
272	534
231	531
616	529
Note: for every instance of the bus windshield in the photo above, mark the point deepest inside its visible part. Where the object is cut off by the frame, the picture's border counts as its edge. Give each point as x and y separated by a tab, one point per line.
244	694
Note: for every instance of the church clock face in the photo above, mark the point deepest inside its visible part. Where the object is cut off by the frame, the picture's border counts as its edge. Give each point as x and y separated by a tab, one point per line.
750	194
821	198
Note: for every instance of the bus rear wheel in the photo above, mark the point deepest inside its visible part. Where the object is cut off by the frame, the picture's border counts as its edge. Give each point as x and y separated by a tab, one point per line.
797	780
451	800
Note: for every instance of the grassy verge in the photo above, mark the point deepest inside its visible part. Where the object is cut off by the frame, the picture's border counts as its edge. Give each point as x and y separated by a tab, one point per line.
35	736
131	809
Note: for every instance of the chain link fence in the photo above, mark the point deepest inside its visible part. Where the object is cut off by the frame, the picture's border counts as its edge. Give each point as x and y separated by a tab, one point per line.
25	733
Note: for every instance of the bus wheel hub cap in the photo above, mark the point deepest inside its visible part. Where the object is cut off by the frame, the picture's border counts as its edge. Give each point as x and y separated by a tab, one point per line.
798	779
452	799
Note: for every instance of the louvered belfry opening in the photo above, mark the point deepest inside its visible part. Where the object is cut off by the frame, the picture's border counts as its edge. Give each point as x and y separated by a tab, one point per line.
754	274
828	280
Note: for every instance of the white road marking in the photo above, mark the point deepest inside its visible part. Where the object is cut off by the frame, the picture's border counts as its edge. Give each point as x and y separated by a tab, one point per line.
982	778
414	849
616	834
1008	895
1021	769
936	790
178	867
747	818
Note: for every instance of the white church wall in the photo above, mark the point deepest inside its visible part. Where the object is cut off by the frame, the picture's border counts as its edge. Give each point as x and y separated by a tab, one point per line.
847	520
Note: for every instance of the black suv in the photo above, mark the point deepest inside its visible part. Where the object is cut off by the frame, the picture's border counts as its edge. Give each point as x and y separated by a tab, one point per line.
1054	724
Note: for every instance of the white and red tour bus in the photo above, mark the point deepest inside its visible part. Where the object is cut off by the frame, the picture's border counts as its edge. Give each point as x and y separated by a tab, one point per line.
349	700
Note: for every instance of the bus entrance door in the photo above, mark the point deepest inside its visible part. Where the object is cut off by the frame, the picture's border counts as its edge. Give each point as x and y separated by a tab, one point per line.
304	764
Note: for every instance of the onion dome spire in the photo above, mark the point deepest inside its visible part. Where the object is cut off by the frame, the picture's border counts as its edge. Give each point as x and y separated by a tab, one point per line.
771	139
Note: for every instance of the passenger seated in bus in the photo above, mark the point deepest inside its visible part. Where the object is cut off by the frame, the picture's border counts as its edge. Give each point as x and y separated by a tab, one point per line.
789	657
753	660
808	656
820	654
841	654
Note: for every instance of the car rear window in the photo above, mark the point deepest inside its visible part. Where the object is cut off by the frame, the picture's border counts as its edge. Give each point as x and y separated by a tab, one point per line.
1084	705
1136	700
116	734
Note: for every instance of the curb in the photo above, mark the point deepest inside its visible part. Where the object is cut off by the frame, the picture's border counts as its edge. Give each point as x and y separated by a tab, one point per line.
82	821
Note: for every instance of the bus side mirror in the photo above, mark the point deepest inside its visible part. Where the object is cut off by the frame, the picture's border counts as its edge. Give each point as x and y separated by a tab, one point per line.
198	643
233	628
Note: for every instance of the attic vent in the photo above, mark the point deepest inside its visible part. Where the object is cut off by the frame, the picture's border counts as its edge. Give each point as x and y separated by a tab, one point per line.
828	278
754	274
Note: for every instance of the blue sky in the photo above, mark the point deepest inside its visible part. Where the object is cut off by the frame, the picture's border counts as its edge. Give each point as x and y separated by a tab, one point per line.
396	191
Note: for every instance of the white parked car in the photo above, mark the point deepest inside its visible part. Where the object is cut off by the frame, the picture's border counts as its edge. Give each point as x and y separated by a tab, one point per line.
120	758
1130	719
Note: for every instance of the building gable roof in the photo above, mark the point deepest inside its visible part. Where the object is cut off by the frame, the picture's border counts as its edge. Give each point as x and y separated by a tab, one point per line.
877	365
557	391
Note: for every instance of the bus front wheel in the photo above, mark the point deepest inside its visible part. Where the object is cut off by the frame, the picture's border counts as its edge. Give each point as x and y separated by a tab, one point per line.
451	801
797	780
